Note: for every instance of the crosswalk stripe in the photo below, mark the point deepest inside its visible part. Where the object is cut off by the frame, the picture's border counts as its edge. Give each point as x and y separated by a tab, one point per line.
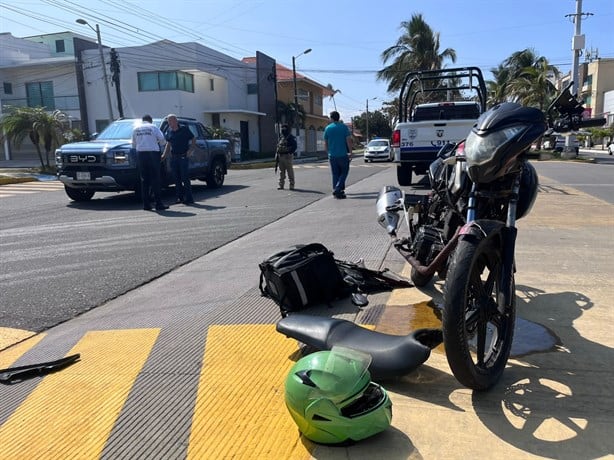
73	411
240	410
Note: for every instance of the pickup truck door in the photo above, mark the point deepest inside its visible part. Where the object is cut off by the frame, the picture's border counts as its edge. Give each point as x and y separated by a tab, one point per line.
200	157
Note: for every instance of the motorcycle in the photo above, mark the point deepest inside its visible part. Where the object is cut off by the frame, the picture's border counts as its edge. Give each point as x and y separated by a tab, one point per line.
465	229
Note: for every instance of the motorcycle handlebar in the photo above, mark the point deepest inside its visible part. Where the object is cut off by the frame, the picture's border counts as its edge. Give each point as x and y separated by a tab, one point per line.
566	125
592	122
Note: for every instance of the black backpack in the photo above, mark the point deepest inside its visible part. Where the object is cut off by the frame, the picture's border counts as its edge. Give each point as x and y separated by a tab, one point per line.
301	276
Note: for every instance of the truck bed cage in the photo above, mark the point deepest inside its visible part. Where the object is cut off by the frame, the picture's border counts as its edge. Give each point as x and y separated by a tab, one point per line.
443	81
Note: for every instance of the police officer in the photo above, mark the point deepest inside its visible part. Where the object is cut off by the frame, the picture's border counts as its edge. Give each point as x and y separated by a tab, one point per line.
147	140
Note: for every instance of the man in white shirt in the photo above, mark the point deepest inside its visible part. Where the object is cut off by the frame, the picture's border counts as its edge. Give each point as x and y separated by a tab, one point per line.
147	140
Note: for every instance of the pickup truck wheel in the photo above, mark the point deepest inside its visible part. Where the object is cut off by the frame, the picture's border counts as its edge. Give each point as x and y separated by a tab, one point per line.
404	174
76	194
215	179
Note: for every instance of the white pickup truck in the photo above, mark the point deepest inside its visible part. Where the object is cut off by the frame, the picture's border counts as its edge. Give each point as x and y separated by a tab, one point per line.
453	100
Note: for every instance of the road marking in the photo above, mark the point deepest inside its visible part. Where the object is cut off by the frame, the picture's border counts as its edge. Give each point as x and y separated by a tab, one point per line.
9	337
70	414
26	188
240	409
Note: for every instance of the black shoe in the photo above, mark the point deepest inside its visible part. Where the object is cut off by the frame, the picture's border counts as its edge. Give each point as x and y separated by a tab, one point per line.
188	202
161	207
280	188
178	200
147	208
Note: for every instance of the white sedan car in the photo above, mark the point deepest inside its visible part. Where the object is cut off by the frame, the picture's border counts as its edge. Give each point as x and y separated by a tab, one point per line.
378	149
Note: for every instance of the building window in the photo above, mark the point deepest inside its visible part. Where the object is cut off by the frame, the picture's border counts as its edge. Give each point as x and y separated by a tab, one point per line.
252	88
211	87
8	88
40	94
164	81
303	94
60	47
215	120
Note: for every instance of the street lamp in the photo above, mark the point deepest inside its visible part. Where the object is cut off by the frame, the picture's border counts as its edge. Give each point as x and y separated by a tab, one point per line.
104	69
294	58
367	121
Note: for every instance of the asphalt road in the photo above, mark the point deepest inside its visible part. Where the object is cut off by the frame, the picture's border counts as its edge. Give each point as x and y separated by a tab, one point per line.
61	258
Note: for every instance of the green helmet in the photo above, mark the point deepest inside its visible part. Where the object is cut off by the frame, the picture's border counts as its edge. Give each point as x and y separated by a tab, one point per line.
331	397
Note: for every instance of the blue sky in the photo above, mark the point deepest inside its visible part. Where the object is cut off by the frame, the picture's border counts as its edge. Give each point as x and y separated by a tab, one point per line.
346	37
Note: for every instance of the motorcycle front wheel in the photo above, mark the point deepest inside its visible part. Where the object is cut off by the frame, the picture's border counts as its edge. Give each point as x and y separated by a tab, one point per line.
477	328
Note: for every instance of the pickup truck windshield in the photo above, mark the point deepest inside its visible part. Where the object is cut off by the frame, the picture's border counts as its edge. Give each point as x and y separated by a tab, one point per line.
121	129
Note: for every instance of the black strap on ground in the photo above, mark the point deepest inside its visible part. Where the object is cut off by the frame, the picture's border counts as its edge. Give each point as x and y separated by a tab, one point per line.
19	374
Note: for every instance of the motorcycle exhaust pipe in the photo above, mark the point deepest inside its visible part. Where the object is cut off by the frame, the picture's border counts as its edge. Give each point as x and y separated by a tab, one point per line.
437	263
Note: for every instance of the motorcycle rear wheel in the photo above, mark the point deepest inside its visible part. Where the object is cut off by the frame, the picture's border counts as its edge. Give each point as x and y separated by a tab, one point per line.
477	329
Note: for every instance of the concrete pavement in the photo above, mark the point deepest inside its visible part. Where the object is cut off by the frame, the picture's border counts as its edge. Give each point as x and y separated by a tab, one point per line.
189	366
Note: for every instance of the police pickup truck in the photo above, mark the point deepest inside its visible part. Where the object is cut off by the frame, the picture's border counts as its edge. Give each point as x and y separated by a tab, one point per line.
109	161
451	100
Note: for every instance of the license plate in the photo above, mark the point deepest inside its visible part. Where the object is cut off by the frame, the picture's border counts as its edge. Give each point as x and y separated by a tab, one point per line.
83	175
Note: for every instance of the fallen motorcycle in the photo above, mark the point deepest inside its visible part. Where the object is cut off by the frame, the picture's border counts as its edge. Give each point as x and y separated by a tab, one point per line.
465	229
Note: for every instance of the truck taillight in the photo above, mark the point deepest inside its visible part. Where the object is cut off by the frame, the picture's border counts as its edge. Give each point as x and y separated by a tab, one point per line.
396	138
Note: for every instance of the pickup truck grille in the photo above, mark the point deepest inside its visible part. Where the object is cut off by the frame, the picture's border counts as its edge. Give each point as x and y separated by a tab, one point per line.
81	158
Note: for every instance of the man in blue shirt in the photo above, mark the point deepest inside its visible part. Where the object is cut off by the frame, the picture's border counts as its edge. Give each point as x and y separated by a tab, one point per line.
338	143
181	144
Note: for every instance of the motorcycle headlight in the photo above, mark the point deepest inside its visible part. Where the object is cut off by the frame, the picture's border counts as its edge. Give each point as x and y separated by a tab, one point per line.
479	149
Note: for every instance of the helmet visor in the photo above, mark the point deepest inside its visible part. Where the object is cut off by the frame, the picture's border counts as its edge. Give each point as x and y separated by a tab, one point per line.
343	369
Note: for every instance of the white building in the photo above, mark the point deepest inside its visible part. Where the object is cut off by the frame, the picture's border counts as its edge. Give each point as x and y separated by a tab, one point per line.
63	71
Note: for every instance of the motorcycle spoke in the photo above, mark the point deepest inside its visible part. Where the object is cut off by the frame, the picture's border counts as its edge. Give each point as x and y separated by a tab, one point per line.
481	342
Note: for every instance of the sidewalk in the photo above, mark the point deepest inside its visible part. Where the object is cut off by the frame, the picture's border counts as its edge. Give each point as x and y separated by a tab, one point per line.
190	366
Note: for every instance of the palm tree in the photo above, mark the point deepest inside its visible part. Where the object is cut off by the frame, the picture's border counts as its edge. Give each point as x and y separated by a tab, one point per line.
523	77
416	49
36	124
329	87
534	85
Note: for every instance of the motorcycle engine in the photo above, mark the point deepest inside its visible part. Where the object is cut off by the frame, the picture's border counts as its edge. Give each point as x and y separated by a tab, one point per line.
427	243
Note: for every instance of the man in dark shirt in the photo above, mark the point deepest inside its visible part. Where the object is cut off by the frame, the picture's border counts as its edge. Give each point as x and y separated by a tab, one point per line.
181	144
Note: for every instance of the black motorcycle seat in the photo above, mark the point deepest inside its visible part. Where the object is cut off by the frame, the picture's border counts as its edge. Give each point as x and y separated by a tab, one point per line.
391	355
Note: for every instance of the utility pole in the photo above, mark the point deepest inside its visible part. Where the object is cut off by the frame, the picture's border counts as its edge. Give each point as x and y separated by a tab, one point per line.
104	67
577	44
296	120
367	119
115	69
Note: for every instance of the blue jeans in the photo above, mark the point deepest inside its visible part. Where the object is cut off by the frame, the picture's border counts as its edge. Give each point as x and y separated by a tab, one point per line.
340	168
181	171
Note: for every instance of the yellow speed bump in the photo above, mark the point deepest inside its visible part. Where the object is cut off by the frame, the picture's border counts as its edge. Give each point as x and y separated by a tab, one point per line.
73	411
240	409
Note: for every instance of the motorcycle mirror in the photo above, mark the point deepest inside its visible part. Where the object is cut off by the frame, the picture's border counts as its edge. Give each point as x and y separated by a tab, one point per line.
359	299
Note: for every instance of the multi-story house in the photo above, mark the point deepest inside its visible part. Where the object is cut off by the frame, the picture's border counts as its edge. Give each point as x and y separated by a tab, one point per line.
596	78
310	95
187	79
